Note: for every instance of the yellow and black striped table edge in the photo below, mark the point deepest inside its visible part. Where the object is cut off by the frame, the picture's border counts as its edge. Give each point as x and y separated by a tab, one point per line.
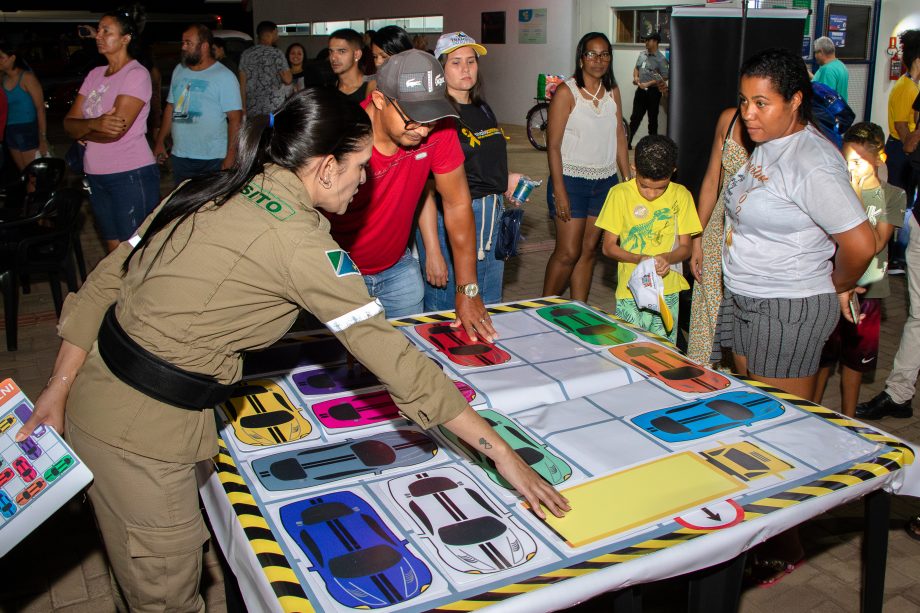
271	558
293	599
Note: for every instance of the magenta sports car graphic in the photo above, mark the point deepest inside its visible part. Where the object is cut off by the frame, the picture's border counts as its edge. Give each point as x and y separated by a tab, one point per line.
366	409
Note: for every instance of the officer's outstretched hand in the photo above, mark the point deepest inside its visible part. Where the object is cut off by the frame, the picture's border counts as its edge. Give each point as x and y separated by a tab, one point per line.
475	319
478	434
531	486
49	410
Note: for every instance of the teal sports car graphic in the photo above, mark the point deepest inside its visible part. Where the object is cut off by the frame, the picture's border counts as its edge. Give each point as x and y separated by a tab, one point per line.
551	467
586	325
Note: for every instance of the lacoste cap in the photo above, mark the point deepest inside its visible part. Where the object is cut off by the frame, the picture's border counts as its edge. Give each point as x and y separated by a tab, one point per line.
454	40
416	81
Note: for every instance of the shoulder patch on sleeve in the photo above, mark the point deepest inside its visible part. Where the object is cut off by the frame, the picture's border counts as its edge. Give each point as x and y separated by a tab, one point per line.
342	264
267	201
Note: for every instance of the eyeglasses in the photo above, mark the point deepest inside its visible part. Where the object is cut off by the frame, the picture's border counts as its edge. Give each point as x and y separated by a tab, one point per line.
594	56
411	124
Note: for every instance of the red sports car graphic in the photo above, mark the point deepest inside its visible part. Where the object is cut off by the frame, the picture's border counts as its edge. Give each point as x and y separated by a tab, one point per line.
459	349
672	369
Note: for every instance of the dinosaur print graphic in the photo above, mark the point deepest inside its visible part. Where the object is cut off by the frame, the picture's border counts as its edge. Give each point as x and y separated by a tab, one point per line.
639	235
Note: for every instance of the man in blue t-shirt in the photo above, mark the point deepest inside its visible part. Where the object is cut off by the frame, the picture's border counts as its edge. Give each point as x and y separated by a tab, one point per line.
203	111
832	72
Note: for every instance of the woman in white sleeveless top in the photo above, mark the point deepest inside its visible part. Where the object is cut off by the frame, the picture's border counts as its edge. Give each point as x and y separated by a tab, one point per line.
586	144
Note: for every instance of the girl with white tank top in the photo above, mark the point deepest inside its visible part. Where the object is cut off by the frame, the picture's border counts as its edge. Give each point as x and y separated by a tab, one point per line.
586	145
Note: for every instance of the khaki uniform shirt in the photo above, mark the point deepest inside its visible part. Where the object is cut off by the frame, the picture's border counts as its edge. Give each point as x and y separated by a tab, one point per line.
233	279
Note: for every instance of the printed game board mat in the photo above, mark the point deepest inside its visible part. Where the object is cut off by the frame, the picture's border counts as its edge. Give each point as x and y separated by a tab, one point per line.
585	546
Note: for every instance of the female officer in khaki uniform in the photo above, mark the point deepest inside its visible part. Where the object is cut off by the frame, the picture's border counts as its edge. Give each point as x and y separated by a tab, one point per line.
153	339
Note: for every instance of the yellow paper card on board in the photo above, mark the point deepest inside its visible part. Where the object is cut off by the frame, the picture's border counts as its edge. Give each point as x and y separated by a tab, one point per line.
640	495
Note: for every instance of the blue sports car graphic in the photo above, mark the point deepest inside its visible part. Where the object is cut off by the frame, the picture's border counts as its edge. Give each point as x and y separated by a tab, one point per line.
294	470
701	418
470	534
363	564
7	508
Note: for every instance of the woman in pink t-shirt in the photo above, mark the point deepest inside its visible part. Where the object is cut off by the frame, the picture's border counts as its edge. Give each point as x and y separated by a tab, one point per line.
110	117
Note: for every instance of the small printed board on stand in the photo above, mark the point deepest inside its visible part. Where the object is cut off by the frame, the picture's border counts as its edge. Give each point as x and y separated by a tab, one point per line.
37	476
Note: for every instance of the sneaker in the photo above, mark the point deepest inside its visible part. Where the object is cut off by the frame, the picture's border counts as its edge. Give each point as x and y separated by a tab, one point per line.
896	267
883	406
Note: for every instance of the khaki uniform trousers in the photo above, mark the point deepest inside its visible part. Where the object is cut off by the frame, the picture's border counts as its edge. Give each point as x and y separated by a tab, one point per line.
147	511
902	381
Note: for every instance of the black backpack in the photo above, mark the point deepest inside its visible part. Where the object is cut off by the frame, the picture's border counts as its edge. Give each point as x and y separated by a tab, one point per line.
832	114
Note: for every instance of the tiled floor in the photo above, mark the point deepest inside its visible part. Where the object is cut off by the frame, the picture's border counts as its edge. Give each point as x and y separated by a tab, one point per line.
61	566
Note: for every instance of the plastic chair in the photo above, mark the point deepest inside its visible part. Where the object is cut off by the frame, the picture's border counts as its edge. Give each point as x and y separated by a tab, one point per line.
36	183
42	243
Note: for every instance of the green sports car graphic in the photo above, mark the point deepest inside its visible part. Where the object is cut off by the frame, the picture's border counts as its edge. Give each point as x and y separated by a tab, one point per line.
551	467
586	325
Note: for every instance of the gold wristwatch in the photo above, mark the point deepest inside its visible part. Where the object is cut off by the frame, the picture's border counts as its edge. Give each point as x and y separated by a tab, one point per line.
470	290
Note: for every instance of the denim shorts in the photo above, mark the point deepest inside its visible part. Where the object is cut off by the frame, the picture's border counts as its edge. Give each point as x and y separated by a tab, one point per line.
487	215
586	196
122	200
188	168
22	136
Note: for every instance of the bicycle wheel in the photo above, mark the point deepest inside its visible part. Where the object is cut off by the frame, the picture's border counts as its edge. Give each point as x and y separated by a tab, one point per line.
536	125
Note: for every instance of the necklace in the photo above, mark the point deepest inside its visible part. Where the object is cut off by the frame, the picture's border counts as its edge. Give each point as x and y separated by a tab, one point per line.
594	96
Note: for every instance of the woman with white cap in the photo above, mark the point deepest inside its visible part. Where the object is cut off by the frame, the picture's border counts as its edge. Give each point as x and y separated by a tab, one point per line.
486	165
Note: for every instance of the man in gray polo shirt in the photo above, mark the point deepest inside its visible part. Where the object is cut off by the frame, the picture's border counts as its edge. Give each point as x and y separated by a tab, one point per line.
649	76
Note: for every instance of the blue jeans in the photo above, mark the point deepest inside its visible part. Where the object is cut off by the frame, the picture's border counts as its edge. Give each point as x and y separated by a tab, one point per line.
122	200
187	168
586	196
399	287
487	214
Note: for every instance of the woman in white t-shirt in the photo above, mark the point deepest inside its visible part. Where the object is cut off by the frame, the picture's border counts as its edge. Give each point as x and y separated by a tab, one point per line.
784	211
586	144
784	286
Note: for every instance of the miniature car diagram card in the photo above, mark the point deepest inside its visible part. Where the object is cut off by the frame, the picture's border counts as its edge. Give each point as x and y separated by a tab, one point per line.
37	476
347	553
628	499
261	414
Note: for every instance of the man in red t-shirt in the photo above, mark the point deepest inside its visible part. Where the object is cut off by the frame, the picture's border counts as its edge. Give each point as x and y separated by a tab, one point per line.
409	144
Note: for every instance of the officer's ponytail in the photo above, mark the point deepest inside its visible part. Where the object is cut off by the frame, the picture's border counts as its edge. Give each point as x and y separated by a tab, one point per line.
312	123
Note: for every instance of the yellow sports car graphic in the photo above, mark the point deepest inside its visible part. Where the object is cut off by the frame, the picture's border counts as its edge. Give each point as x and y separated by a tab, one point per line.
746	461
262	414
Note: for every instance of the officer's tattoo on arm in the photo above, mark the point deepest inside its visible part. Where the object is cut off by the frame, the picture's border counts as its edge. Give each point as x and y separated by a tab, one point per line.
486	444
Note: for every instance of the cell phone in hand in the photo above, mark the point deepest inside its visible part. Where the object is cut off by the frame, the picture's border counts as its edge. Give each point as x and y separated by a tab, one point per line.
854	308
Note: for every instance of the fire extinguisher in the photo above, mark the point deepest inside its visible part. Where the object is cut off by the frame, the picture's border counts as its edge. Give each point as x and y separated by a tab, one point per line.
894	64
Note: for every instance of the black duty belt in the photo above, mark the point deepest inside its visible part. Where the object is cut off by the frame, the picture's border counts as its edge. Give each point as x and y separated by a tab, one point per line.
154	376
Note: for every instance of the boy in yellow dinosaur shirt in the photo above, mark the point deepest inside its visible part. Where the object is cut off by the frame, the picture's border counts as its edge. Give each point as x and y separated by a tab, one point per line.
650	217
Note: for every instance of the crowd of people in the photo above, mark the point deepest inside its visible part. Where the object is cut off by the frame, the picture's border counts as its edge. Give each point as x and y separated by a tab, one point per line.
290	196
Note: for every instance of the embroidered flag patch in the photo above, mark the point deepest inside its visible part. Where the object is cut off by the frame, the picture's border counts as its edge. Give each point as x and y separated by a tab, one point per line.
342	264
